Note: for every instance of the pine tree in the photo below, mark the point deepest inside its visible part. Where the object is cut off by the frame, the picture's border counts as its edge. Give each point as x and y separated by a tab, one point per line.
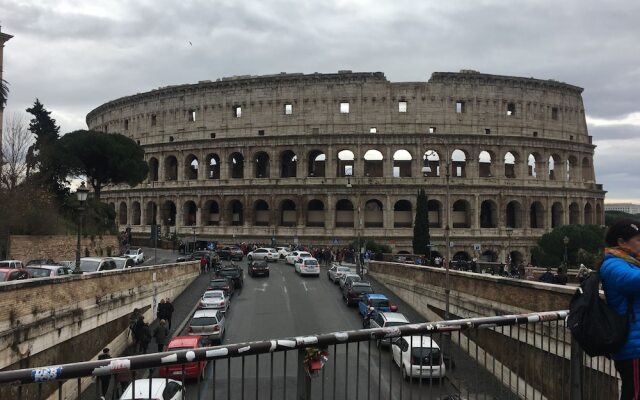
421	238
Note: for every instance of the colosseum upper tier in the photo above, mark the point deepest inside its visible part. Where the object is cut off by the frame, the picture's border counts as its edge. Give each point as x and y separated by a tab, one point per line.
320	159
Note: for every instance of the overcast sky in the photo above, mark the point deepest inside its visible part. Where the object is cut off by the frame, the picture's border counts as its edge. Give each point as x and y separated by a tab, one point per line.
75	55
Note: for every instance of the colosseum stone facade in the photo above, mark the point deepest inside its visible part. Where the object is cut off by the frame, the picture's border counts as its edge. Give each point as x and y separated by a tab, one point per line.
322	158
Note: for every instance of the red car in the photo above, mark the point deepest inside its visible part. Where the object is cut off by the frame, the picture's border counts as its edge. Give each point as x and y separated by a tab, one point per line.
13	274
192	369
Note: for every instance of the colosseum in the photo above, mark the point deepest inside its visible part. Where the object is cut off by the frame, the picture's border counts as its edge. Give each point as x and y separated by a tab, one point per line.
320	159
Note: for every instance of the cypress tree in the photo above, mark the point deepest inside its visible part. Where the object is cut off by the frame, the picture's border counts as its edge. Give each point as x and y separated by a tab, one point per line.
421	225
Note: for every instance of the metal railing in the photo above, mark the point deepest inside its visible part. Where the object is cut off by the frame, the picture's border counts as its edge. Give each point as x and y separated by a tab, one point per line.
528	356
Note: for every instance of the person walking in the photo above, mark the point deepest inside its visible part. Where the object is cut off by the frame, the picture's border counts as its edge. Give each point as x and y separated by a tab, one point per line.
620	275
162	310
203	264
145	338
168	311
104	379
161	334
137	333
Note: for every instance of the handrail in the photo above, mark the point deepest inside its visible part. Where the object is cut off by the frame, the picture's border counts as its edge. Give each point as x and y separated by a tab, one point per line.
147	361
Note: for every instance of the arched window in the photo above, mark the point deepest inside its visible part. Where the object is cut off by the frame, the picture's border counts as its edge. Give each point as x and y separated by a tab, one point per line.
213	164
152	213
574	214
236	165
171	168
460	216
557	215
458	164
288	213
135	213
488	214
315	213
191	167
153	169
485	164
373	214
317	163
168	213
346	163
373	161
431	163
189	212
588	214
402	164
211	213
236	209
536	215
288	164
261	213
344	214
514	215
434	210
402	214
509	165
261	165
122	213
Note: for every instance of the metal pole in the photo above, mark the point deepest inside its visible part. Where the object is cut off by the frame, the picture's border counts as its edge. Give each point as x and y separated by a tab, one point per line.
304	380
447	233
77	270
576	371
358	266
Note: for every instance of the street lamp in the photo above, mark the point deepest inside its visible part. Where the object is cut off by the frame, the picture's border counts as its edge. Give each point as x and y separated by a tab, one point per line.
565	240
82	192
194	238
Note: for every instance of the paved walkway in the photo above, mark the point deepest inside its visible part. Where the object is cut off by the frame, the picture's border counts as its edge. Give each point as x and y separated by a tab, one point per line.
184	306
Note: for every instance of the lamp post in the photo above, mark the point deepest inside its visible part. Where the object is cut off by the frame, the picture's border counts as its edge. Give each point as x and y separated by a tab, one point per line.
82	192
565	240
194	237
508	255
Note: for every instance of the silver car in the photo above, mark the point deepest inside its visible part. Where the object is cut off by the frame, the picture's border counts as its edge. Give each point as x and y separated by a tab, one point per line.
214	300
336	272
343	278
209	324
386	319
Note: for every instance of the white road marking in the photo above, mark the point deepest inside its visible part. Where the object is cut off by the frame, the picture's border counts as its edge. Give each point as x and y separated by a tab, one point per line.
305	286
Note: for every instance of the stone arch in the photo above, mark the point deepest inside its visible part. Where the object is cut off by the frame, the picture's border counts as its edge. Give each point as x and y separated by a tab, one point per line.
261	213
516	257
288	164
459	163
554	166
557	215
152	213
572	168
344	213
488	214
153	169
315	213
122	213
112	205
261	165
211	213
513	214
430	163
461	256
586	169
489	256
168	213
189	212
236	211
574	214
191	166
236	165
461	215
532	164
213	166
598	214
373	214
510	162
171	168
536	215
402	214
373	163
434	210
346	163
136	213
402	161
485	164
288	213
317	164
588	214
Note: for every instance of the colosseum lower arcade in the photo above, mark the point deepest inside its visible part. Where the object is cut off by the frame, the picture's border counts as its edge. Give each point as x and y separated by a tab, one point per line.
319	159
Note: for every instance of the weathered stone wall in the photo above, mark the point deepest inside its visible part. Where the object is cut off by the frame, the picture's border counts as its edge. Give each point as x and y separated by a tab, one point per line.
60	247
41	320
479	295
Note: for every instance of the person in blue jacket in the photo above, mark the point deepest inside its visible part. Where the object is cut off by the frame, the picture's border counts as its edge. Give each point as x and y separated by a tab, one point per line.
620	274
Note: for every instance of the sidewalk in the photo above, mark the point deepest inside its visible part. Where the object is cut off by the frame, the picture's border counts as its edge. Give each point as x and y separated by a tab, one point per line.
184	306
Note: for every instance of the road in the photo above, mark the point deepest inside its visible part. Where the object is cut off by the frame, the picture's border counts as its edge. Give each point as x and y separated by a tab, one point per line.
286	305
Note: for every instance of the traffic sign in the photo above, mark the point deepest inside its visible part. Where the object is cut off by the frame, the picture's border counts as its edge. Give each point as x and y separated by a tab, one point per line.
477	247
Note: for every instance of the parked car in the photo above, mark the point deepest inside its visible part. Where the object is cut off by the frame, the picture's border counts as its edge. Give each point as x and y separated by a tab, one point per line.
336	271
283	252
263	253
258	268
11	264
41	261
208	323
379	302
344	277
384	319
137	255
351	295
161	388
124	262
234	274
231	253
418	357
13	274
350	279
97	264
47	271
214	299
223	284
296	255
192	370
307	266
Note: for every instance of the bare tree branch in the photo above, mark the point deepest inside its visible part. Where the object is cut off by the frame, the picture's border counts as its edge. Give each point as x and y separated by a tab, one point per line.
16	139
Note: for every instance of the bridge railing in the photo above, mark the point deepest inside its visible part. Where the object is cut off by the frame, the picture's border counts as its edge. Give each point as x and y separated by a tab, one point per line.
540	362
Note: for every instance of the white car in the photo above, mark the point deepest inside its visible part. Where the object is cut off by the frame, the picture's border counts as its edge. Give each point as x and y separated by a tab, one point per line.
136	254
307	266
296	255
214	299
418	357
90	265
335	273
263	253
283	251
161	388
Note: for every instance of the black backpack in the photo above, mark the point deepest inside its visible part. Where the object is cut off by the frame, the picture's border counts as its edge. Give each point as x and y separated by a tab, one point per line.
598	329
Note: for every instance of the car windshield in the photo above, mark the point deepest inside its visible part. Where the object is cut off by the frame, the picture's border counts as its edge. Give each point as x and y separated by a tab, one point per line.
379	302
218	283
228	272
203	321
362	289
212	295
89	265
39	272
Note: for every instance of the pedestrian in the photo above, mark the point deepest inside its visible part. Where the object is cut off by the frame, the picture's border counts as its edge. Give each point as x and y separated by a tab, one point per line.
145	338
547	277
168	311
104	379
138	332
203	264
162	311
620	275
561	278
161	334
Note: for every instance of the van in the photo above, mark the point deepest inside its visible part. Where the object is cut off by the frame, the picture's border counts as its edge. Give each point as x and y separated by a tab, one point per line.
11	264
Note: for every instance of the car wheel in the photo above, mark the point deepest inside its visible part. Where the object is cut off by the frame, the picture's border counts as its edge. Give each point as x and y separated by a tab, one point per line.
267	274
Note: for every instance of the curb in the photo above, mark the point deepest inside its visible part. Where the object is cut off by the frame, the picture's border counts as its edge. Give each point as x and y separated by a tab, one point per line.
182	324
